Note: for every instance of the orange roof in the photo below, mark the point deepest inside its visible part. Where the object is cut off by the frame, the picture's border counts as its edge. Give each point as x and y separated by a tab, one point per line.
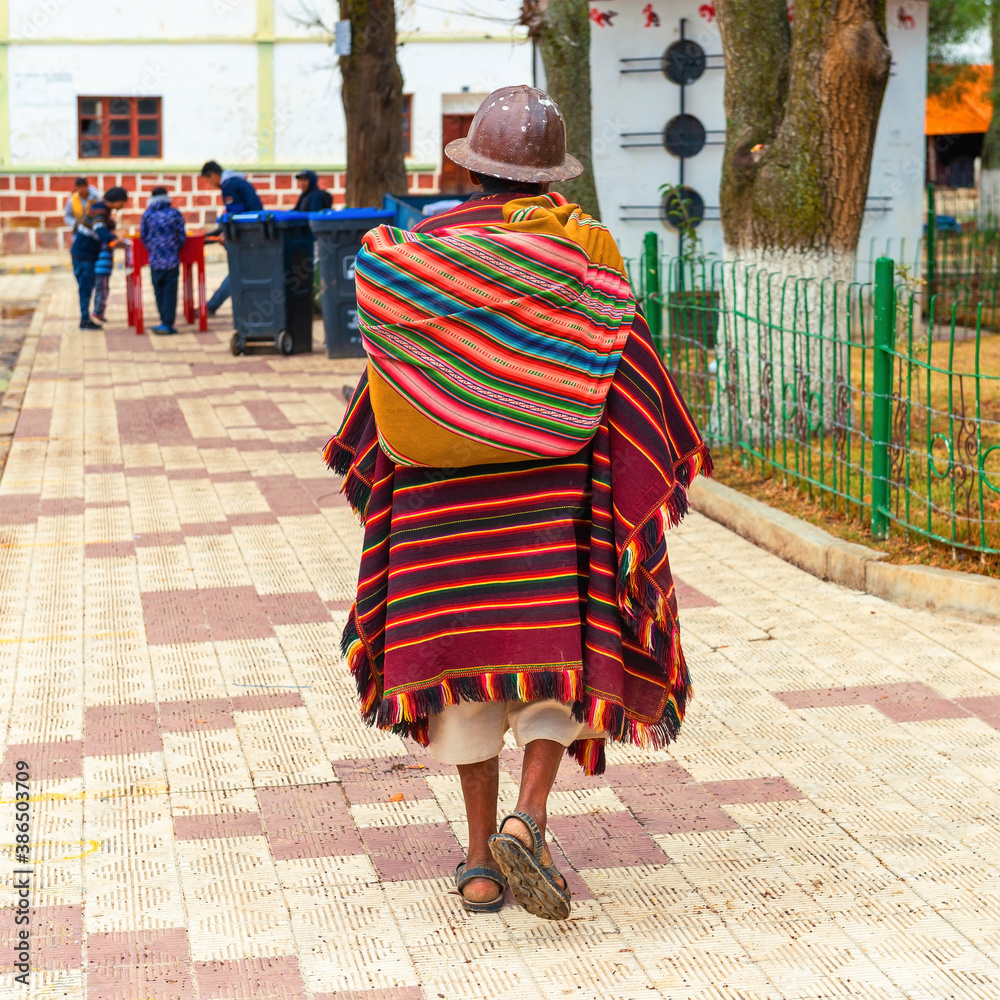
962	107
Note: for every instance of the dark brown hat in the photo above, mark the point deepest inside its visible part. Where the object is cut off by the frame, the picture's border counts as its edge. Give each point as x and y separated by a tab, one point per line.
518	134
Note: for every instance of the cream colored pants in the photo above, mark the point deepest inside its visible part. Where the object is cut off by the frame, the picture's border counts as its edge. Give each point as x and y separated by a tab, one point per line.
472	731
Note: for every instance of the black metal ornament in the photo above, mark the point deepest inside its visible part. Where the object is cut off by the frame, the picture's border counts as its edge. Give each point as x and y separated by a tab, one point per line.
682	207
683	62
684	136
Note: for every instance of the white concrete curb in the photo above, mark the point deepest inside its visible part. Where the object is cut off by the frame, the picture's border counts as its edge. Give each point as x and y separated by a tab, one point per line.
13	397
855	566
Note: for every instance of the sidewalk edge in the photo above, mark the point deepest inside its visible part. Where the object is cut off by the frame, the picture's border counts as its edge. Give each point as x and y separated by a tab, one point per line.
846	563
13	397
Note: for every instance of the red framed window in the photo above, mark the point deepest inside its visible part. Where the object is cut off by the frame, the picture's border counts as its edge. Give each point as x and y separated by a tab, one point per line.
407	124
126	127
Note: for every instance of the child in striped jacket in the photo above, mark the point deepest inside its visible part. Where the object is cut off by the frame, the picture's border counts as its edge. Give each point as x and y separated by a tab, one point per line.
103	267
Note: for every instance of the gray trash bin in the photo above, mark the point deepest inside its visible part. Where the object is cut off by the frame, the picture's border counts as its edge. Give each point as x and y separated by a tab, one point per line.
338	240
270	279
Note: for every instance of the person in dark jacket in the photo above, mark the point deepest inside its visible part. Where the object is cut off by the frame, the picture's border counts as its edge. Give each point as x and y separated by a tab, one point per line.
313	198
238	195
93	234
162	231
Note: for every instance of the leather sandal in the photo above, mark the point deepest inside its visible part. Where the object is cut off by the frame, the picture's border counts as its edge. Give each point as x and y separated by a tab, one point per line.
533	884
464	875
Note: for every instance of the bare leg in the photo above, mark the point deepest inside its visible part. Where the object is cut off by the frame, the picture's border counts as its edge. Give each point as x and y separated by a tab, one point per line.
538	772
480	786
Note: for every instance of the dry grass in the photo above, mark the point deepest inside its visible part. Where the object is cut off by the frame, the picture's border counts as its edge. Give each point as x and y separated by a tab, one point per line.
938	442
937	503
900	548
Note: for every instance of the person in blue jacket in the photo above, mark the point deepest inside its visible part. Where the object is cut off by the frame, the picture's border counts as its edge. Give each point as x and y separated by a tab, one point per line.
92	236
162	232
103	267
238	195
313	197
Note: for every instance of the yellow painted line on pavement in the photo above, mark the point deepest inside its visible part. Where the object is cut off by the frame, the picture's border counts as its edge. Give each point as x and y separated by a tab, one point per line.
107	793
71	638
92	847
65	545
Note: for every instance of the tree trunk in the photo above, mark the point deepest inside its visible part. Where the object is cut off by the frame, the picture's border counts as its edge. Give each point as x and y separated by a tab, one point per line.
562	30
802	107
989	177
372	92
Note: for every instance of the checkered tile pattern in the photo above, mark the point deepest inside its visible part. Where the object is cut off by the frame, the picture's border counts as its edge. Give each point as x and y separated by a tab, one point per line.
213	822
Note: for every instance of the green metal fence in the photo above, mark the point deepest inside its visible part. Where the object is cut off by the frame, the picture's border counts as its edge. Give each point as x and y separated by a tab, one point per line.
872	396
957	259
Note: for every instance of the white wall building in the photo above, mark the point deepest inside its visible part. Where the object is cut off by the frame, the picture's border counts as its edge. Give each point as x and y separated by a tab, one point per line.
229	72
245	83
633	100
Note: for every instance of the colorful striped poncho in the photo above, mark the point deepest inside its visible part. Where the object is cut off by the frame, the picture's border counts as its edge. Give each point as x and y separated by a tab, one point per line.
527	580
492	343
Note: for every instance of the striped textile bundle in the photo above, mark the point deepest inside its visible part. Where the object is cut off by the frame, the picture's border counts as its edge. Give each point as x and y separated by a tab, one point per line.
530	580
488	344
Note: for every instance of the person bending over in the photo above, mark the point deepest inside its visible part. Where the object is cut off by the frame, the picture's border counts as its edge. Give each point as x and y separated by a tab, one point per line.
238	195
93	235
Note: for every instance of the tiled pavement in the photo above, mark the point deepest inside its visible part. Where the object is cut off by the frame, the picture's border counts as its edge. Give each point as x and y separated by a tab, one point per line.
211	820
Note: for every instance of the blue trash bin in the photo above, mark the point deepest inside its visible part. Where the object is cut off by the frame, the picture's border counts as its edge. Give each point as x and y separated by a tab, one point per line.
338	235
271	279
410	211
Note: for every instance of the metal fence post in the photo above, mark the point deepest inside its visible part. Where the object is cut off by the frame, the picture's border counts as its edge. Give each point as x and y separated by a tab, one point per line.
885	323
653	303
931	243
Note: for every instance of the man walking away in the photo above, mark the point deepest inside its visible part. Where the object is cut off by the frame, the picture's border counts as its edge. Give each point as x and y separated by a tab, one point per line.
313	198
84	195
92	235
517	451
162	231
238	195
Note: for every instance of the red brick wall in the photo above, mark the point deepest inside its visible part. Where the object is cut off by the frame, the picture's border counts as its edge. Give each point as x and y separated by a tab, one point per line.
31	205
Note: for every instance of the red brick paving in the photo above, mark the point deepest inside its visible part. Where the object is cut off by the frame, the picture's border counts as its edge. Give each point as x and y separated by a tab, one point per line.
275	978
377	780
121	729
308	821
405	853
645	828
906	702
207	713
151	963
208	826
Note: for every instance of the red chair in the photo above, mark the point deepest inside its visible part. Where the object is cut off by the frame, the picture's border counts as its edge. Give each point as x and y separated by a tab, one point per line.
137	257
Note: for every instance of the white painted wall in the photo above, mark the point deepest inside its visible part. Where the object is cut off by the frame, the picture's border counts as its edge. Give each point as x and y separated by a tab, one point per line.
898	166
474	18
97	19
644	102
308	113
288	14
210	91
432	69
309	119
209	97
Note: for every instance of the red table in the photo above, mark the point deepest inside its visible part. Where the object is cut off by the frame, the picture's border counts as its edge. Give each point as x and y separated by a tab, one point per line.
137	257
